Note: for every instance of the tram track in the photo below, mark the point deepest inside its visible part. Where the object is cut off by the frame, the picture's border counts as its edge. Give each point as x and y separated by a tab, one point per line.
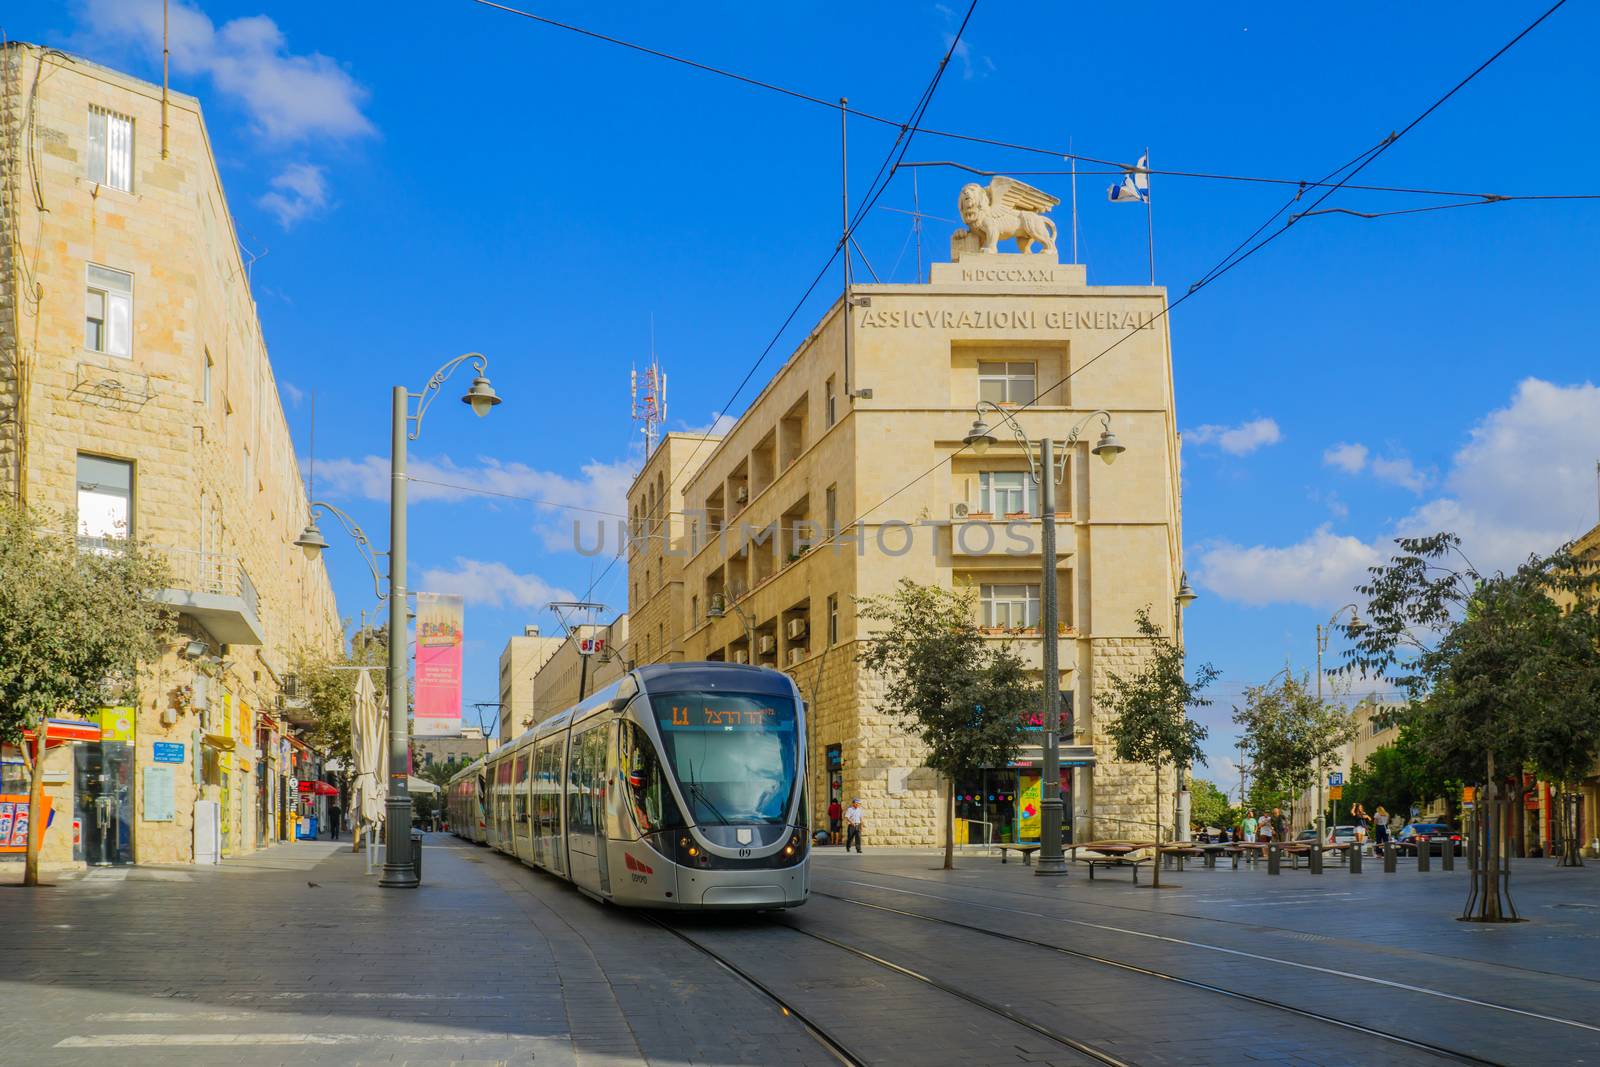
838	1049
1453	1055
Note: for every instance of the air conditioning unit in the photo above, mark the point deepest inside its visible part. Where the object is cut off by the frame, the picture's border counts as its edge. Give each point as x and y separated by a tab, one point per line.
797	629
767	644
741	656
960	509
796	654
741	495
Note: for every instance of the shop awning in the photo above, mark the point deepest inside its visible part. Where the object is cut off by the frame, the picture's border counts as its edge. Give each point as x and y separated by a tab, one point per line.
220	741
420	785
65	730
321	789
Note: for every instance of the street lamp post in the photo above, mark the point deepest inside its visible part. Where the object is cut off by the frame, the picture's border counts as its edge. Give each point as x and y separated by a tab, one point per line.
1046	473
1323	631
399	870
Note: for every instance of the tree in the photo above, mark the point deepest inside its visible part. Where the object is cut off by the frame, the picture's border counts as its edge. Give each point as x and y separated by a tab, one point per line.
1502	671
1395	777
74	627
964	697
1209	805
1289	734
1152	724
328	686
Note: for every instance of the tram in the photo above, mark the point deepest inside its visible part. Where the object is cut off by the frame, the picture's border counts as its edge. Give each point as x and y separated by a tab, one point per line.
678	786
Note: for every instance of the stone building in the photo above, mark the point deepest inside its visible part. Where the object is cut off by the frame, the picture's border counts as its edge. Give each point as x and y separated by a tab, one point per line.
520	661
137	399
567	671
468	745
860	434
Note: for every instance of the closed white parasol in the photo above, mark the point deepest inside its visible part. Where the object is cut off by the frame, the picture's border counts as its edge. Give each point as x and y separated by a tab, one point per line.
370	752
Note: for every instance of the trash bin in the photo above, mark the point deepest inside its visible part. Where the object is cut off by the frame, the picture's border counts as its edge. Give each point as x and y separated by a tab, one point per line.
416	853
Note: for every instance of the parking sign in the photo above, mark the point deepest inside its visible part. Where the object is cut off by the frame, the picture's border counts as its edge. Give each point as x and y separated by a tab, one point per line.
1336	778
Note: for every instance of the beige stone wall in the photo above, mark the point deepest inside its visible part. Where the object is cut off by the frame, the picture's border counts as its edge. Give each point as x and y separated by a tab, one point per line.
557	683
520	662
216	482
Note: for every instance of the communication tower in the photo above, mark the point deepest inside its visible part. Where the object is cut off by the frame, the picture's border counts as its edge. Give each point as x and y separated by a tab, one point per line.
649	391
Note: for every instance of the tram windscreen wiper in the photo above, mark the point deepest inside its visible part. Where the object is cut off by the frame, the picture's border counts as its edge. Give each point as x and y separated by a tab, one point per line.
694	787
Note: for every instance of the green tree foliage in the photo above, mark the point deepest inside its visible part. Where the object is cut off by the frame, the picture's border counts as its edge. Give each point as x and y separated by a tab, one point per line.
74	627
963	696
1502	669
329	689
1395	777
1289	735
1152	724
1208	805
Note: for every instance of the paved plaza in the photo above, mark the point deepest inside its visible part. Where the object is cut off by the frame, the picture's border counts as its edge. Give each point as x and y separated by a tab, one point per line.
295	955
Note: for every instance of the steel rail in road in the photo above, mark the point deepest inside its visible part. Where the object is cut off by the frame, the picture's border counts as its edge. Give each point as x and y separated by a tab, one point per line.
835	1047
1193	983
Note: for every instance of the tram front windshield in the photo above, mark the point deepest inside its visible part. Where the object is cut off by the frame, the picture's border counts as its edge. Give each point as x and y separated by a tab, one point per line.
734	754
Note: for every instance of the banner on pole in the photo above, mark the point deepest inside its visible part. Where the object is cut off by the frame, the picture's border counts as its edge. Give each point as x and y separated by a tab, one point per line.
438	699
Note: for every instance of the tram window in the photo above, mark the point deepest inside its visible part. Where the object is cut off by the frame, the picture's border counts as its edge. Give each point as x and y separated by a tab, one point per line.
580	816
520	797
650	800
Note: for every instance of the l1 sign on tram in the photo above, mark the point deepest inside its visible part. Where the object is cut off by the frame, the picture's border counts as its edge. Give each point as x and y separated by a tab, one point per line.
438	696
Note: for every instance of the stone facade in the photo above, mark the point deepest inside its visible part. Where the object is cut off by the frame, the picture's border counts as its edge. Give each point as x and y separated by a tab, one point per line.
557	684
172	388
860	433
520	661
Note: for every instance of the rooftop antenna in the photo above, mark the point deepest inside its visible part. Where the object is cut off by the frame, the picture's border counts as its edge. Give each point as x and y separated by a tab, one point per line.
916	222
649	395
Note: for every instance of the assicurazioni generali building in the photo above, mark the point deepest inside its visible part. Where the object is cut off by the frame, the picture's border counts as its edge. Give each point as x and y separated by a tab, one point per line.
137	399
866	437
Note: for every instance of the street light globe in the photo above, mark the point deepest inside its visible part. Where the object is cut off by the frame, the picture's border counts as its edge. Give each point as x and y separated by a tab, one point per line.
481	397
1186	594
311	541
978	437
1108	448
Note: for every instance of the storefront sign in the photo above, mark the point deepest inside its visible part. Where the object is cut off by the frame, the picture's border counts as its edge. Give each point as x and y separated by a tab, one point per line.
168	751
14	821
438	694
116	724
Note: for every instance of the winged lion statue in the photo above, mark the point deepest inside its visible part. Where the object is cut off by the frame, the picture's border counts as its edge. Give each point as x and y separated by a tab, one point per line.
1006	209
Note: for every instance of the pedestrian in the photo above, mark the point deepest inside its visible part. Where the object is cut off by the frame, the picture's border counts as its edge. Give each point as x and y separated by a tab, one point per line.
1380	829
853	816
835	813
1249	825
1280	825
335	813
1264	831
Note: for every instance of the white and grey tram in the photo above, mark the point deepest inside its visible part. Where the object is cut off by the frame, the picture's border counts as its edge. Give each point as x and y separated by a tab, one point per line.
679	786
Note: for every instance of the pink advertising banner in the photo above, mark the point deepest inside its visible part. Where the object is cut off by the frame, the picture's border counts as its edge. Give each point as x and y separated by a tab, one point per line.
438	700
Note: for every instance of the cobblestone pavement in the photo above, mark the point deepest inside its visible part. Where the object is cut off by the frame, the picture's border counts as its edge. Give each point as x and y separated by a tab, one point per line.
294	955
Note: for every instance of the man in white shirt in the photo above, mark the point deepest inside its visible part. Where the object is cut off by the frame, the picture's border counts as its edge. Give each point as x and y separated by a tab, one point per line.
852	818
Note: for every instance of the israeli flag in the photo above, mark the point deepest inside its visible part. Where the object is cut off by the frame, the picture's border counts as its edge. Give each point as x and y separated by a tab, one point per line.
1135	185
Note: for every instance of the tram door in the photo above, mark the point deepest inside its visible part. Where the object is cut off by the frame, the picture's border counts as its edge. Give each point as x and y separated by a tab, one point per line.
586	770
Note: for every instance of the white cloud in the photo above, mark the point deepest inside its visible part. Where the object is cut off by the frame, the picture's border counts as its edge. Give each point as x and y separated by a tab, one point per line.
293	392
1400	471
299	190
290	96
492	584
1238	440
719	425
1320	569
1349	458
1522	484
599	494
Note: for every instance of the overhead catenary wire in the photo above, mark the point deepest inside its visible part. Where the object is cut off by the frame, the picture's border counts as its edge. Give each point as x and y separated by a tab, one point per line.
1117	166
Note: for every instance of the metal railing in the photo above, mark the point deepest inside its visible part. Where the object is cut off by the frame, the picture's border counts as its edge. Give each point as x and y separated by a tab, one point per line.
216	573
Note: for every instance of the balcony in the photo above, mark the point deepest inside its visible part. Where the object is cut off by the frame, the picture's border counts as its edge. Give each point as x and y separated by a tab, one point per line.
215	590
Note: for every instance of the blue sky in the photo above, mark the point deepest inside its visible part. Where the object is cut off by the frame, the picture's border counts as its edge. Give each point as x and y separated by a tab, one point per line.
419	180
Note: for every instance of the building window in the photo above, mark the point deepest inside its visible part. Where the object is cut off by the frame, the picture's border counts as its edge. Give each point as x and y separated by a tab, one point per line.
105	497
1010	606
694	611
1008	383
1007	493
110	149
830	409
833	620
831	510
108	312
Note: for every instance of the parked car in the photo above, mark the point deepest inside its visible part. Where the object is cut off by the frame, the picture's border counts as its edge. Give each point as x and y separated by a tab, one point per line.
1342	835
1434	836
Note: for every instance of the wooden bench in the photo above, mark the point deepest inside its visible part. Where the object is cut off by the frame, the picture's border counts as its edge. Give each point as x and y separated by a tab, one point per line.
1026	850
1132	863
1113	854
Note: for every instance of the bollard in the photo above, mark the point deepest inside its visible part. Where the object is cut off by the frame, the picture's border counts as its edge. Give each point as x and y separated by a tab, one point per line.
1447	859
1354	852
1211	859
1424	851
1272	858
1316	859
1391	856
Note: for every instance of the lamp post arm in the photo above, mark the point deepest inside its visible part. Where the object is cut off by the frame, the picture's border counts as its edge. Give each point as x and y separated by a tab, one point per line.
1010	420
363	545
425	398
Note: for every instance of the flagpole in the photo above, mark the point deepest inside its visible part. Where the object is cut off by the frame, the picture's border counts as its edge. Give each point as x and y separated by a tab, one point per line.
1074	200
1149	218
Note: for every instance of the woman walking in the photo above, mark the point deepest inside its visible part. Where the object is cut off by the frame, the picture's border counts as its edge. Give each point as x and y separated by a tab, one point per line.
1380	828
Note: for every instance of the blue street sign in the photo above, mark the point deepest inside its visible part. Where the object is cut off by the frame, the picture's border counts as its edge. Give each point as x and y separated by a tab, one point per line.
168	751
1336	778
